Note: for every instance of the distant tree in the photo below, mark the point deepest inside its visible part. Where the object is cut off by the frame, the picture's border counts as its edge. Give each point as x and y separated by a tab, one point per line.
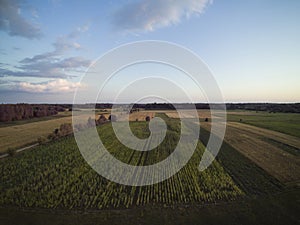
13	112
147	118
102	119
65	129
206	120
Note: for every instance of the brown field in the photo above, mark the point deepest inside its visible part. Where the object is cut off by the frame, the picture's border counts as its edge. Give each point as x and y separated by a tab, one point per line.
205	113
281	137
137	116
20	135
202	114
249	141
188	113
141	116
17	136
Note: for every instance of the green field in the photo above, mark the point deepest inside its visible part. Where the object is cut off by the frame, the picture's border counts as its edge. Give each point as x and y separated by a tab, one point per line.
54	181
56	176
287	123
281	209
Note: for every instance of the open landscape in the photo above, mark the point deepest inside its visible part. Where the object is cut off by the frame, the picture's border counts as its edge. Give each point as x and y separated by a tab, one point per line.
255	165
149	112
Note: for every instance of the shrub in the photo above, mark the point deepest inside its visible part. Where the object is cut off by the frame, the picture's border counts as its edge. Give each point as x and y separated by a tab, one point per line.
147	118
102	119
11	151
41	140
64	130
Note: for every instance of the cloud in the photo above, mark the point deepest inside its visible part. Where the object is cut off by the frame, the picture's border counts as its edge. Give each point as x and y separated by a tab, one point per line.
13	23
51	64
61	45
148	15
50	68
54	86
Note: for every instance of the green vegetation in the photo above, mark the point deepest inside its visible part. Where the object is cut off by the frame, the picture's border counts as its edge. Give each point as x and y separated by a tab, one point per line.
252	179
233	190
287	123
56	176
280	209
11	151
290	149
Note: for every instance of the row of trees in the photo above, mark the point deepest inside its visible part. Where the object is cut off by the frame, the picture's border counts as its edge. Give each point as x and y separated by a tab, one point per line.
12	112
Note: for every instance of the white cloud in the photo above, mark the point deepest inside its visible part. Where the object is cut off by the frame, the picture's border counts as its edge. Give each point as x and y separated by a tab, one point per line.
54	86
13	23
148	15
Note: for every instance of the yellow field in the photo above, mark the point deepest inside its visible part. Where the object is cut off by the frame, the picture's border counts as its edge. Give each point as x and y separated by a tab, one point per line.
20	135
141	116
17	136
202	114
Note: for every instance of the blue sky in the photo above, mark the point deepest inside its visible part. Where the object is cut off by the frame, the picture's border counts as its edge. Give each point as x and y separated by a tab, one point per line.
252	47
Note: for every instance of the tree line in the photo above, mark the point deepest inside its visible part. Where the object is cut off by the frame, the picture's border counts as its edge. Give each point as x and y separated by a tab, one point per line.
13	112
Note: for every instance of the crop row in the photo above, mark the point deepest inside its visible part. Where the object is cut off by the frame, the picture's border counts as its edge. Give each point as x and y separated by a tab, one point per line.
55	175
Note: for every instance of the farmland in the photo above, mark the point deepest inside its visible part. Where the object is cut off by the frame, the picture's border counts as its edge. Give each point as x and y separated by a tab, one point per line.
63	180
17	134
287	123
255	166
264	147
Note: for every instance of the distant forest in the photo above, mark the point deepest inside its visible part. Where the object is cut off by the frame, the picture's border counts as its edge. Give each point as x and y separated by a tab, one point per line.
270	107
13	112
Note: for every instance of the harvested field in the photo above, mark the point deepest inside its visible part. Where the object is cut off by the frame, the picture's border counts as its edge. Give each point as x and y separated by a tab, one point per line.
189	114
284	138
249	141
25	134
287	123
139	116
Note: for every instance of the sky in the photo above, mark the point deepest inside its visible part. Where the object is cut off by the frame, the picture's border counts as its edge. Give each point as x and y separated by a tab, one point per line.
252	47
